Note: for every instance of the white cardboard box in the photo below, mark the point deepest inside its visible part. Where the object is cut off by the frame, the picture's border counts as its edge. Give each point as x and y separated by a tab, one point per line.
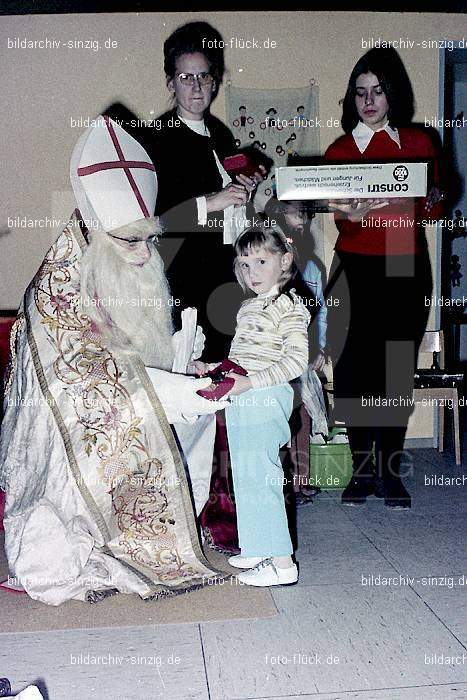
352	181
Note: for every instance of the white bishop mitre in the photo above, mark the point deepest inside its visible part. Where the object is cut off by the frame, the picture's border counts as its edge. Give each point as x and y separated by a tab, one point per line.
113	178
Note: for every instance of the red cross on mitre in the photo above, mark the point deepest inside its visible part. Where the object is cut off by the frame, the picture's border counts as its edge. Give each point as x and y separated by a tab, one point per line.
124	164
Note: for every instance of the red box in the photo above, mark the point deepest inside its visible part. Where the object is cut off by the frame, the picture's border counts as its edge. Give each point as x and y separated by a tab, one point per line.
240	164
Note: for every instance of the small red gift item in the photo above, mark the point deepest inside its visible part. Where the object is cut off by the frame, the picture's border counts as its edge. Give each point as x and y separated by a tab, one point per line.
229	366
240	164
221	384
217	389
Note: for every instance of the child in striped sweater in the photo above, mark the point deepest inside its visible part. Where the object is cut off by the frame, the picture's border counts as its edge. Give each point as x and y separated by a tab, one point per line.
271	343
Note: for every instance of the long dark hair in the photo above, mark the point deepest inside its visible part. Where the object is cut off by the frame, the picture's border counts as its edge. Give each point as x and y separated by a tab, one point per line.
195	37
387	65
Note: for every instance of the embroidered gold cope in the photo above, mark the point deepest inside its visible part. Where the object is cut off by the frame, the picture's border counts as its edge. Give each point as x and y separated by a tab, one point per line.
97	495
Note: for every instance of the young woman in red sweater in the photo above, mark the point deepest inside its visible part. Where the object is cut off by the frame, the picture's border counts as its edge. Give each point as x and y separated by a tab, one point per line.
382	277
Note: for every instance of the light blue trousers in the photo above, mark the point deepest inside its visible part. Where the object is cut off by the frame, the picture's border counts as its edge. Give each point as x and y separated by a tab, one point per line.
257	427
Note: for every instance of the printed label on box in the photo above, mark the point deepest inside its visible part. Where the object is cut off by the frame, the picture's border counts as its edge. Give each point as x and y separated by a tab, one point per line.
352	181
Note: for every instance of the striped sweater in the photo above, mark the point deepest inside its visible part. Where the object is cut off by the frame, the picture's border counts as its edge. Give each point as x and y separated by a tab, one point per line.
271	339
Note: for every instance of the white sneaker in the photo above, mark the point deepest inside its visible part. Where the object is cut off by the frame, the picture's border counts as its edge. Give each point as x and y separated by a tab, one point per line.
267	574
339	439
239	562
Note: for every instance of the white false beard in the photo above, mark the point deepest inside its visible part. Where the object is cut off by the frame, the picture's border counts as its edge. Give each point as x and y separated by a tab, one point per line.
128	304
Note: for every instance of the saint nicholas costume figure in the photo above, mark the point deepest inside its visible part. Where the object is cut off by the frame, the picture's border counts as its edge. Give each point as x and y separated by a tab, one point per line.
105	453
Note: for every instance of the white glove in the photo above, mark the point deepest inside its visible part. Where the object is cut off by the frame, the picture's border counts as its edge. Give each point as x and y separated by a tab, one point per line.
177	394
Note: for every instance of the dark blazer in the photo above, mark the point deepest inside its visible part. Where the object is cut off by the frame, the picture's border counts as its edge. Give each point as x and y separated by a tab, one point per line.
197	262
186	169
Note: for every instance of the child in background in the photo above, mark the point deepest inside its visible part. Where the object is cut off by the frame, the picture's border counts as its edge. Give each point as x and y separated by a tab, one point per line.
294	219
271	343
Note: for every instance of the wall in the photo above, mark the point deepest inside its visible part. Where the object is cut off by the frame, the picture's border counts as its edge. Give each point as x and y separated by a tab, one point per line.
44	89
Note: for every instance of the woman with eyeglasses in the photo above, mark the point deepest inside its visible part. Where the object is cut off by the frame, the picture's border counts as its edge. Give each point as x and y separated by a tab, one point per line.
202	210
381	275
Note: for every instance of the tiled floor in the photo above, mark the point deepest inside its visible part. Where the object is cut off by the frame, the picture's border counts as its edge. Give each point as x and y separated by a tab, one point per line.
343	632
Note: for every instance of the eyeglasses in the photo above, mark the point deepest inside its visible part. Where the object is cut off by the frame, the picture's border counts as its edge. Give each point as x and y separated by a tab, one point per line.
189	78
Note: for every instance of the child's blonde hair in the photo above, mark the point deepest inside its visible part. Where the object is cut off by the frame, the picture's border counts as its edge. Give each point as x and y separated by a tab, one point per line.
273	241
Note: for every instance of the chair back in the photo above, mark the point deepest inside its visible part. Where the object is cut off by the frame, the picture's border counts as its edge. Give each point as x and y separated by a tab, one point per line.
433	341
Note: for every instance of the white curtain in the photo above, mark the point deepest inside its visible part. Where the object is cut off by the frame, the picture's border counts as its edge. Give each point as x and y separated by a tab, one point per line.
279	122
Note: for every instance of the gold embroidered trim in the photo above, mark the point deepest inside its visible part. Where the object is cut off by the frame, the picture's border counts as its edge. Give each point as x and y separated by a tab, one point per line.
179	466
48	396
132	506
11	368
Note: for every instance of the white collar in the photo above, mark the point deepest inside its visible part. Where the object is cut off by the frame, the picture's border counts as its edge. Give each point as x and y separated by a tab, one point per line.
196	125
363	134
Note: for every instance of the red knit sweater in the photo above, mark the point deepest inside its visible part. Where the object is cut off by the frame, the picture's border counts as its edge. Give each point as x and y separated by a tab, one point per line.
395	229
